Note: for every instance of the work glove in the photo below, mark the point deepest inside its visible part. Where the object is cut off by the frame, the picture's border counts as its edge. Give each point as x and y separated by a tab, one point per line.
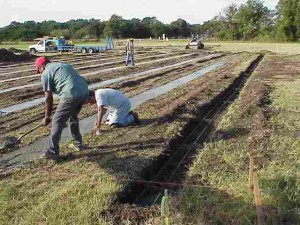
46	120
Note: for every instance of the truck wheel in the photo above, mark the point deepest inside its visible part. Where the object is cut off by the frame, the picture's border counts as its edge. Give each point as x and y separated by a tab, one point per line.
91	50
83	50
201	46
32	51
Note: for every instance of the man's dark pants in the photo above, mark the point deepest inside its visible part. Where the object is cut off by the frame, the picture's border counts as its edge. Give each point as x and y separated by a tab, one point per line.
67	109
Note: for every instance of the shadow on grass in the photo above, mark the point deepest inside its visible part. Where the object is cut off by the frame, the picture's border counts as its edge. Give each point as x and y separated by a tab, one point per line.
206	205
97	150
231	133
285	194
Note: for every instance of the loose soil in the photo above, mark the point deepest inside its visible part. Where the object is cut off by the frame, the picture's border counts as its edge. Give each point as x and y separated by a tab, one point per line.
7	56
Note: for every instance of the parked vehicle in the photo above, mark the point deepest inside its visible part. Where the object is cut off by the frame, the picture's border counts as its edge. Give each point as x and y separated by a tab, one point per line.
195	43
51	45
88	49
60	45
92	48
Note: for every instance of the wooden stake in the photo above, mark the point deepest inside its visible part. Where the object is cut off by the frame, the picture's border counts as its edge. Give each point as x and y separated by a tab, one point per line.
258	200
251	162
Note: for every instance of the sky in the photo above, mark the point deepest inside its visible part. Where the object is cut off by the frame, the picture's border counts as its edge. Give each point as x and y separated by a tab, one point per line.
193	11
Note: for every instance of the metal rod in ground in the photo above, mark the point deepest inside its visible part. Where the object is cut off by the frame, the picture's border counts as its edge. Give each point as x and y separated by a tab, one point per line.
258	200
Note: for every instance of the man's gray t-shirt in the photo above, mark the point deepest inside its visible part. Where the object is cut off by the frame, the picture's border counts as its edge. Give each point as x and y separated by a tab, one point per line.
64	81
110	98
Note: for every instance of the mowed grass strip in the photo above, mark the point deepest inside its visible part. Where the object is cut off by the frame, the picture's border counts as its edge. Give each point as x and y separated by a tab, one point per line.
68	193
261	121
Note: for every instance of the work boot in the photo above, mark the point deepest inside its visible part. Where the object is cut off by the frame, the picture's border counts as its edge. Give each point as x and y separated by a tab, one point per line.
49	155
135	116
77	147
115	125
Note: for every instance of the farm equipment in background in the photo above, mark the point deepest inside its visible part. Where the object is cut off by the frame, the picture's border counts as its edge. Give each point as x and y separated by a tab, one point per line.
93	48
51	45
195	42
60	45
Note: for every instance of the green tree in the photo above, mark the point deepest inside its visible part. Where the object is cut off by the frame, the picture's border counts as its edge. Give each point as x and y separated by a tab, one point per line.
61	33
95	28
288	25
180	28
148	23
113	26
231	28
250	18
212	29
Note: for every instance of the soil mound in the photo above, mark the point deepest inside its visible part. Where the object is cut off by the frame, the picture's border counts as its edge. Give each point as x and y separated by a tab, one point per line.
15	50
9	56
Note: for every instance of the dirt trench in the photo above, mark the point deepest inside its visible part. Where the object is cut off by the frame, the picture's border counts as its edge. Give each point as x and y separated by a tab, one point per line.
137	201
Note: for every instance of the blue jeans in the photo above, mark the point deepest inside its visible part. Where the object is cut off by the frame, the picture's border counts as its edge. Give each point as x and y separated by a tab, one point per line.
129	56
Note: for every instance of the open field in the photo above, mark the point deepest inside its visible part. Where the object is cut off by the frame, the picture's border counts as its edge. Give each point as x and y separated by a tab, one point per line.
238	46
279	48
202	112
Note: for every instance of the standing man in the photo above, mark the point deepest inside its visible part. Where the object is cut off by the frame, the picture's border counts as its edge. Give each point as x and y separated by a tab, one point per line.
72	89
120	108
129	52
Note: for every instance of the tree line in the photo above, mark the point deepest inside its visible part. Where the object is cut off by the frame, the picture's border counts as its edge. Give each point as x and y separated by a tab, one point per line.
249	21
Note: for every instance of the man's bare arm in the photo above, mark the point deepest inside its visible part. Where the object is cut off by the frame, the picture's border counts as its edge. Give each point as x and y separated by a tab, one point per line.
101	112
48	104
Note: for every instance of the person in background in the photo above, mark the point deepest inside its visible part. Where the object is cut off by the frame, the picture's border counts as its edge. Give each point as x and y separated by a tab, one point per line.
129	52
63	80
120	114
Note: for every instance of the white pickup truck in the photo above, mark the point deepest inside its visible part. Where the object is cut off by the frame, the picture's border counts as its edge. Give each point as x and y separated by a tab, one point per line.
50	45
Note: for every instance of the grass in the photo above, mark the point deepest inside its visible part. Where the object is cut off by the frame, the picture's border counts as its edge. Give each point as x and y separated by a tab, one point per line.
77	190
234	46
280	47
71	193
17	45
222	165
138	42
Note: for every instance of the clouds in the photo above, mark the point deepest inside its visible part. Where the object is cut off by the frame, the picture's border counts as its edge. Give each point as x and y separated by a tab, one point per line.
194	11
